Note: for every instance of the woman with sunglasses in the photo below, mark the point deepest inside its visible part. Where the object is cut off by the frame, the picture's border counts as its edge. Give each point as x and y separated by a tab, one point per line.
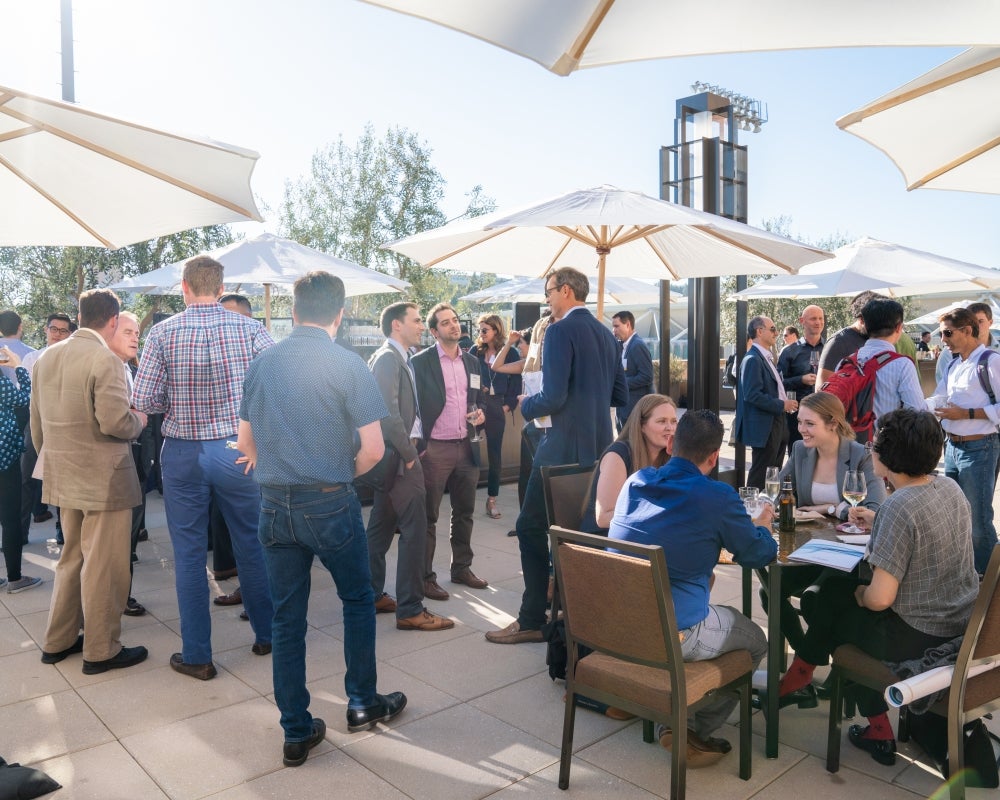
500	391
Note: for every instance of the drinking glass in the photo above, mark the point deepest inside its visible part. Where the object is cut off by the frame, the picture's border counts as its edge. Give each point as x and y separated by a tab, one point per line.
750	495
772	486
473	412
854	492
813	361
792	395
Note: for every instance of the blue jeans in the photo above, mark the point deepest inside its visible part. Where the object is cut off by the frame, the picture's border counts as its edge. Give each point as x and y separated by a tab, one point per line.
297	523
193	473
722	631
973	466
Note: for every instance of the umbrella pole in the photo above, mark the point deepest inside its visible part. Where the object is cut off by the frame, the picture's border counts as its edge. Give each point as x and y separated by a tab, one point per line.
602	253
267	306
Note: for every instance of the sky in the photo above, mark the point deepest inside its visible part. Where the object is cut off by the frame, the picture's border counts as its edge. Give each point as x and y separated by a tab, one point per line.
285	79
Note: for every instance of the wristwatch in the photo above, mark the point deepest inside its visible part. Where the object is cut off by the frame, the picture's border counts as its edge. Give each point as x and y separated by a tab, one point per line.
831	511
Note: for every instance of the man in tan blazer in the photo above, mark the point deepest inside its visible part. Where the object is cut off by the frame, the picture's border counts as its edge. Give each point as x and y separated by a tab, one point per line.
81	416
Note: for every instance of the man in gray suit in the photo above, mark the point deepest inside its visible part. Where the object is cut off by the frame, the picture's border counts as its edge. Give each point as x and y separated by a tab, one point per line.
404	505
82	424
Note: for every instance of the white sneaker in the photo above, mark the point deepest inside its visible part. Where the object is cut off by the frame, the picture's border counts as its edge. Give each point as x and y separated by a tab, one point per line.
23	583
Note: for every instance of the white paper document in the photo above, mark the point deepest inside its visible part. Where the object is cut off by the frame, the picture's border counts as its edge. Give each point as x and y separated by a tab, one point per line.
844	557
930	682
854	538
532	383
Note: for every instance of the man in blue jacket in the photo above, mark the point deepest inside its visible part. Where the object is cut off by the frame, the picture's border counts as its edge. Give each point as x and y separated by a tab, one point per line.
582	378
692	517
636	361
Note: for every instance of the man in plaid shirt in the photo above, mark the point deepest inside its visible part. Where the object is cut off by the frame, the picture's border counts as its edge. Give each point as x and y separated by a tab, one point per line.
192	371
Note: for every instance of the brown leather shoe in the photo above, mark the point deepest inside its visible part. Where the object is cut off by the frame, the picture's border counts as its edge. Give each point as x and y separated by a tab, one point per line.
700	752
468	577
433	591
425	621
385	603
203	672
234	599
513	634
223	574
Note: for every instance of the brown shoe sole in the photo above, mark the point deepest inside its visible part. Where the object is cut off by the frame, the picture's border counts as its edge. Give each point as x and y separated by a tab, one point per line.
436	624
498	637
478	583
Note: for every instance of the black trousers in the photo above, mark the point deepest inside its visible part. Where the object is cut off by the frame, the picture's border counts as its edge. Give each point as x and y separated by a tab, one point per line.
772	454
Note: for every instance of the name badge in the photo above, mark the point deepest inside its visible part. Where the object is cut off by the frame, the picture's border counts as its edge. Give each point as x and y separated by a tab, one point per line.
475	381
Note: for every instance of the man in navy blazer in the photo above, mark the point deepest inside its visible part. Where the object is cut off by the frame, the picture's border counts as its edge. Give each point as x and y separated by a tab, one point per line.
761	403
449	459
636	361
582	378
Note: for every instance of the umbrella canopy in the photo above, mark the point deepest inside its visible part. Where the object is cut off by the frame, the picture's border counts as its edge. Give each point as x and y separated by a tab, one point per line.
566	35
931	317
871	265
962	152
617	291
631	234
69	176
265	263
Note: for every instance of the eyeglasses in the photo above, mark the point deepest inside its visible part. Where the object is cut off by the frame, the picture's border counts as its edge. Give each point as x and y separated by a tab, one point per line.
60	331
551	289
485	330
947	332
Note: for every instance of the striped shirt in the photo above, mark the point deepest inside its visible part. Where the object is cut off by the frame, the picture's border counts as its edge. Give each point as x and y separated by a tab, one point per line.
192	370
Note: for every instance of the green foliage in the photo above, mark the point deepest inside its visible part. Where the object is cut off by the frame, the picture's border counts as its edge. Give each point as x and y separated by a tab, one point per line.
36	281
356	199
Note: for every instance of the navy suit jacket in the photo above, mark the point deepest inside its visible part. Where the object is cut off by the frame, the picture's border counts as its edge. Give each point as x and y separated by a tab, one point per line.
638	375
430	389
582	378
757	402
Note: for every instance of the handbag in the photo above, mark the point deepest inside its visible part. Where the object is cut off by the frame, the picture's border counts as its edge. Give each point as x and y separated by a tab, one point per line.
930	731
382	477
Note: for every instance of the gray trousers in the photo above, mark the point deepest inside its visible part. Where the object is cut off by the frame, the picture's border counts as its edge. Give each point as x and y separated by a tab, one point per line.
403	507
449	465
723	630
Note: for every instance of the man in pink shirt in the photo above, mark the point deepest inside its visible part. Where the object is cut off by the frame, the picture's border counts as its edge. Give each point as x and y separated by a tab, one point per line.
448	382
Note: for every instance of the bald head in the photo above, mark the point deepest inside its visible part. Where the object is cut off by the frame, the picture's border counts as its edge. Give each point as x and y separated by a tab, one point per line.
811	322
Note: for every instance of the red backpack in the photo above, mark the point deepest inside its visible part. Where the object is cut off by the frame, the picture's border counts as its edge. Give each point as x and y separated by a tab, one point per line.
855	386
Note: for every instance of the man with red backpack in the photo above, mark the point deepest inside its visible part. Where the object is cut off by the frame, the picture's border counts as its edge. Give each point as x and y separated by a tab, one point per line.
876	366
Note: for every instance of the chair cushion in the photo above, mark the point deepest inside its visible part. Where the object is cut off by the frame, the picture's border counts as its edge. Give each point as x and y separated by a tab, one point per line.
650	686
868	669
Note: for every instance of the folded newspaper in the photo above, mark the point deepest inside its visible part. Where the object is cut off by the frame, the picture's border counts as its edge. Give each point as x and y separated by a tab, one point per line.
824	552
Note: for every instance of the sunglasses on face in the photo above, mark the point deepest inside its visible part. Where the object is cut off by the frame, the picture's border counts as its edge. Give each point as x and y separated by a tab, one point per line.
947	332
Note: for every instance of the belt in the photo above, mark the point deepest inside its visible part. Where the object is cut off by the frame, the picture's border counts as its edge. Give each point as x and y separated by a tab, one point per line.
956	439
309	487
450	441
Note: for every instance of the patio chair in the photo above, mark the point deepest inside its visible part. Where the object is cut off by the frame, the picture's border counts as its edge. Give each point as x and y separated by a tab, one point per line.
967	698
636	662
567	492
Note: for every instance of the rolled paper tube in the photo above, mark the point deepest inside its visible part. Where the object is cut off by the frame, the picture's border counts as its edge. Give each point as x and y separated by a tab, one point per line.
930	682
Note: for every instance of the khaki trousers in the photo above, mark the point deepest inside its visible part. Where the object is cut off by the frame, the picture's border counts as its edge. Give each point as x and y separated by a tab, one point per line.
92	583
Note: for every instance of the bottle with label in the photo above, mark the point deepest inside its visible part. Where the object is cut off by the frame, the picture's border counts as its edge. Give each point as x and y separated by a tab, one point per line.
786	508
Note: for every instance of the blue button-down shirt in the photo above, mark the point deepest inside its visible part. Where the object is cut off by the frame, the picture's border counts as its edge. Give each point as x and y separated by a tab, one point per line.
691	517
305	399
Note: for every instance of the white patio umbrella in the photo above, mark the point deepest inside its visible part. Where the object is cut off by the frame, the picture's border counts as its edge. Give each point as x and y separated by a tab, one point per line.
565	35
617	291
69	176
631	235
871	265
931	317
942	130
266	264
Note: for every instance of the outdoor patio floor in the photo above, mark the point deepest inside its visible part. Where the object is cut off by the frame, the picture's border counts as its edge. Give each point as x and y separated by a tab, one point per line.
483	720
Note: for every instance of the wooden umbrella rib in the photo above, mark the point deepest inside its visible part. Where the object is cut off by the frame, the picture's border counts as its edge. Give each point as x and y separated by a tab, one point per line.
638	232
579	47
740	246
663	259
556	257
574	233
28	182
918	91
954	163
102	151
491	234
9	135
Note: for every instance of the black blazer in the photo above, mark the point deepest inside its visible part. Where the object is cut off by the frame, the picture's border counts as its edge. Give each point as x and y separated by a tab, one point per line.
430	388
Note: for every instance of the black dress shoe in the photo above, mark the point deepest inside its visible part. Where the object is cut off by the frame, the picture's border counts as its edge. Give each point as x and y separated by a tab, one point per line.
142	536
133	608
882	750
296	753
261	648
803	698
203	672
126	657
386	707
55	658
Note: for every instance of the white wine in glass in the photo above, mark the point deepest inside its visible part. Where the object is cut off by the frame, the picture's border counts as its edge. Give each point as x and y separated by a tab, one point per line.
772	486
855	491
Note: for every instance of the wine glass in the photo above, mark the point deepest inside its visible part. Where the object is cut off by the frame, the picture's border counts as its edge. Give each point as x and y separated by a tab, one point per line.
855	490
813	361
772	486
473	410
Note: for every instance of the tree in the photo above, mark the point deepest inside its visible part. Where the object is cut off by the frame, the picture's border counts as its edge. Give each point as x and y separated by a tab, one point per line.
36	281
356	199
